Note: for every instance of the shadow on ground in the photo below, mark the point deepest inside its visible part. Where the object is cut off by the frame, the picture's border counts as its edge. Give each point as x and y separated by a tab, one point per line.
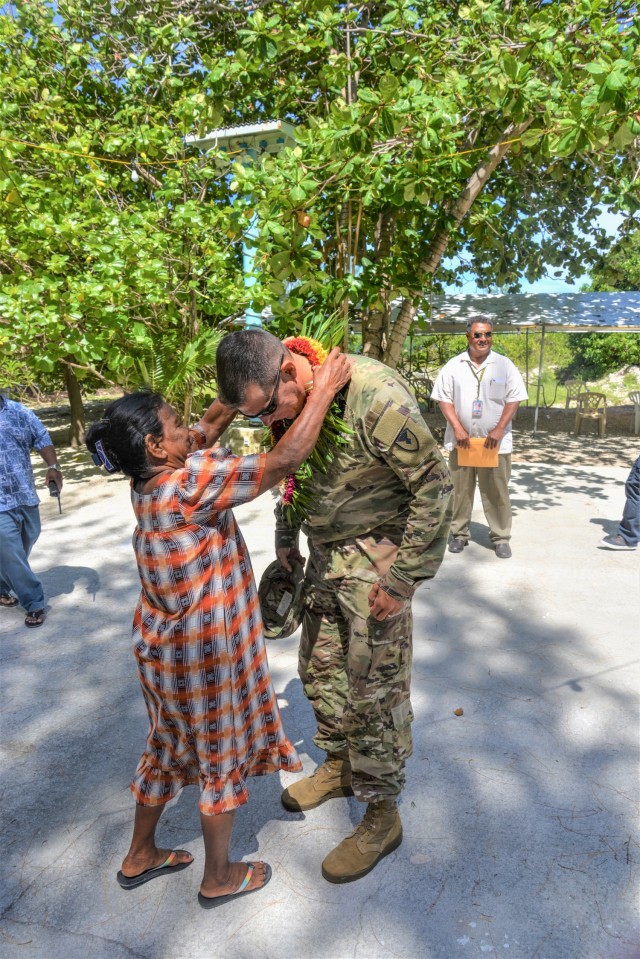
520	817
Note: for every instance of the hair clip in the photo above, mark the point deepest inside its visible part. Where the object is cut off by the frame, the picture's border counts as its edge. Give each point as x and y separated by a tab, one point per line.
100	458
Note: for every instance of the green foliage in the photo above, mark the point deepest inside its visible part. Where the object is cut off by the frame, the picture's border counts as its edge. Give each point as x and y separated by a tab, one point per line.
327	330
430	352
387	126
619	269
602	353
395	106
298	489
16	376
184	374
551	390
97	271
524	350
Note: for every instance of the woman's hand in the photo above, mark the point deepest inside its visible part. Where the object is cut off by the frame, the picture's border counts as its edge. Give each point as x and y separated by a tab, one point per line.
334	372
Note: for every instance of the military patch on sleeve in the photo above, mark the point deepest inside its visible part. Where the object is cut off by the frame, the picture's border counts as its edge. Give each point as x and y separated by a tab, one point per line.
408	440
390	425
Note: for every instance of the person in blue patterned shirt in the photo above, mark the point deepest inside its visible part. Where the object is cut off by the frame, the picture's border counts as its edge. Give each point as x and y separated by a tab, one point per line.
20	432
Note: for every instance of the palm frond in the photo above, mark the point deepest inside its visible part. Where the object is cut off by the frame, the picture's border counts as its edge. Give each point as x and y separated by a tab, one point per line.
177	370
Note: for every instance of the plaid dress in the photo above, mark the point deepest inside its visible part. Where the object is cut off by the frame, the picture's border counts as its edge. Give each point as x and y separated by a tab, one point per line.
198	639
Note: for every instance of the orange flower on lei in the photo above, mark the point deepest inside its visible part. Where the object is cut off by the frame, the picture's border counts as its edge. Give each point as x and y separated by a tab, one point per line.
305	346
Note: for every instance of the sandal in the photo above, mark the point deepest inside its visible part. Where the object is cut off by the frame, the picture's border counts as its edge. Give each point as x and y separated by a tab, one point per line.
36	618
169	865
210	902
8	601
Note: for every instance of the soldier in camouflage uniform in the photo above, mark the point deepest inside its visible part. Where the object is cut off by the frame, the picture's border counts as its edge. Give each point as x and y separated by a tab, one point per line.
377	528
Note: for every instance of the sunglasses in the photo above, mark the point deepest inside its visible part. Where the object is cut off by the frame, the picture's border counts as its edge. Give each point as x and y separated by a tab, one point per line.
272	405
482	336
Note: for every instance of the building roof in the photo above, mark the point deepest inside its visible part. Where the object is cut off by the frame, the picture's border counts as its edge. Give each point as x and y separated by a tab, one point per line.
264	137
569	312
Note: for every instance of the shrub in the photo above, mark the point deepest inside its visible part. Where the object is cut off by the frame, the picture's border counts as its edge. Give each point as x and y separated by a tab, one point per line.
602	353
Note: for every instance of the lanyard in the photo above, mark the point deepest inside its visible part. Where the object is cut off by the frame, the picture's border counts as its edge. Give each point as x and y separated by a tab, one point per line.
477	378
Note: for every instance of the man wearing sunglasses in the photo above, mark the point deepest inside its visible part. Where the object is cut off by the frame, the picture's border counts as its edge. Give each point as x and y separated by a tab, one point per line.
376	528
479	392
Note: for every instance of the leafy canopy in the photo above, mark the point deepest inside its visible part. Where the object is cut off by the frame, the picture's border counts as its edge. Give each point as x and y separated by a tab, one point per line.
492	129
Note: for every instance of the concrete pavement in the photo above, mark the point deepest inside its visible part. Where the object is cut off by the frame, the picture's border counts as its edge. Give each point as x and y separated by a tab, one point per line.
520	816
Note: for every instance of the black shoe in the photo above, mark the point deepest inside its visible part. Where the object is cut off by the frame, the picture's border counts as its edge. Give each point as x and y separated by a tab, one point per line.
503	551
456	544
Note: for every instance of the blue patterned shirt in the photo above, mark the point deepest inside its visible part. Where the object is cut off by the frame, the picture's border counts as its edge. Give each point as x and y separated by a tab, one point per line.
20	432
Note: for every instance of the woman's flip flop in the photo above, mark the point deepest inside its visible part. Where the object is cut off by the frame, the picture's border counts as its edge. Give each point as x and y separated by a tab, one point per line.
169	865
210	902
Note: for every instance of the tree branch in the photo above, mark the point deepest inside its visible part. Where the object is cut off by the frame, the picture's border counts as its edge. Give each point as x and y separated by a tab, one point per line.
475	184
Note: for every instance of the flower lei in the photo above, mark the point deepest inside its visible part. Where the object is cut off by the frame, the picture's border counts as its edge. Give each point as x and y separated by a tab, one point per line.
295	489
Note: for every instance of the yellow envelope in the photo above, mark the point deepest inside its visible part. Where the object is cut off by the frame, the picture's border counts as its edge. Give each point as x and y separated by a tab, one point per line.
477	454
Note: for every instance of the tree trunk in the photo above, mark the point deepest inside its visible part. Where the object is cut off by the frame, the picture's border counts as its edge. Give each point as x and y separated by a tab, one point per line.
461	207
375	324
194	329
78	424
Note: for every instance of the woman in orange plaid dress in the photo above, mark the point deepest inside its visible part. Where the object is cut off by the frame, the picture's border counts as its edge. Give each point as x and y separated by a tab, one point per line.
198	636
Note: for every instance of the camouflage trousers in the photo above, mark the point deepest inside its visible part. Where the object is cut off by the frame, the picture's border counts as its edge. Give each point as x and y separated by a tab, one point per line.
356	671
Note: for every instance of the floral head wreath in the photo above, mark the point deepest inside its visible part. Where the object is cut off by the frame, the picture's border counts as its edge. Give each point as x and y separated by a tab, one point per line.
306	346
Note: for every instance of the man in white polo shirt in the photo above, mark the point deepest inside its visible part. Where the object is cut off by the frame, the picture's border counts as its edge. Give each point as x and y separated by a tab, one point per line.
479	392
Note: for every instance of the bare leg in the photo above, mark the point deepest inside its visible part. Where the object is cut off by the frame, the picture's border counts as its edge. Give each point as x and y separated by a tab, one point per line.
222	877
143	853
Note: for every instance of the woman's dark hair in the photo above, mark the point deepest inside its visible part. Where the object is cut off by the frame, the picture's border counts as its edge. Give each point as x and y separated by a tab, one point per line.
117	440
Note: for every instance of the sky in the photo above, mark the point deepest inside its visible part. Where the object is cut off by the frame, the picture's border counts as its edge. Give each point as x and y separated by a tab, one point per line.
608	220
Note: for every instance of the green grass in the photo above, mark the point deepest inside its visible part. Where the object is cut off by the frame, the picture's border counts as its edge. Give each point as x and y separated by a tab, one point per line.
551	392
616	388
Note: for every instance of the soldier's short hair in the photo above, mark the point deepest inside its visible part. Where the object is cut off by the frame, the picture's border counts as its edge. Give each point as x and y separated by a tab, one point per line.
244	357
478	318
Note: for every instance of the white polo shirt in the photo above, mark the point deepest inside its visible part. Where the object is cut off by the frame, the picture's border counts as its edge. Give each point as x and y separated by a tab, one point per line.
496	382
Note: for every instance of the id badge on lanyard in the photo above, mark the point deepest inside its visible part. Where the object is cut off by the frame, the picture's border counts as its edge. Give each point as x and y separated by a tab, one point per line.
476	407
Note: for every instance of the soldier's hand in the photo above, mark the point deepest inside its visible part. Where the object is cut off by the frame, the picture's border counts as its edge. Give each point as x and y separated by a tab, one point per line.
287	555
381	604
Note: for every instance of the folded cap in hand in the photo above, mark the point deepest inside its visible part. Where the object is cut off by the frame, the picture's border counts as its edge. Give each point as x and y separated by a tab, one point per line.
281	599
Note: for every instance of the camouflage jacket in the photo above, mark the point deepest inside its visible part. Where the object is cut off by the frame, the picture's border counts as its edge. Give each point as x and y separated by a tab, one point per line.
389	477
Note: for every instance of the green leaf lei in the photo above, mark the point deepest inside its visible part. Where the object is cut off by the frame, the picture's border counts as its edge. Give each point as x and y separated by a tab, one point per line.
297	488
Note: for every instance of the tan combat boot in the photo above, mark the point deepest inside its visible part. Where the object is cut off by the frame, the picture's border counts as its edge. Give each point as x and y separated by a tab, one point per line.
330	781
379	833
